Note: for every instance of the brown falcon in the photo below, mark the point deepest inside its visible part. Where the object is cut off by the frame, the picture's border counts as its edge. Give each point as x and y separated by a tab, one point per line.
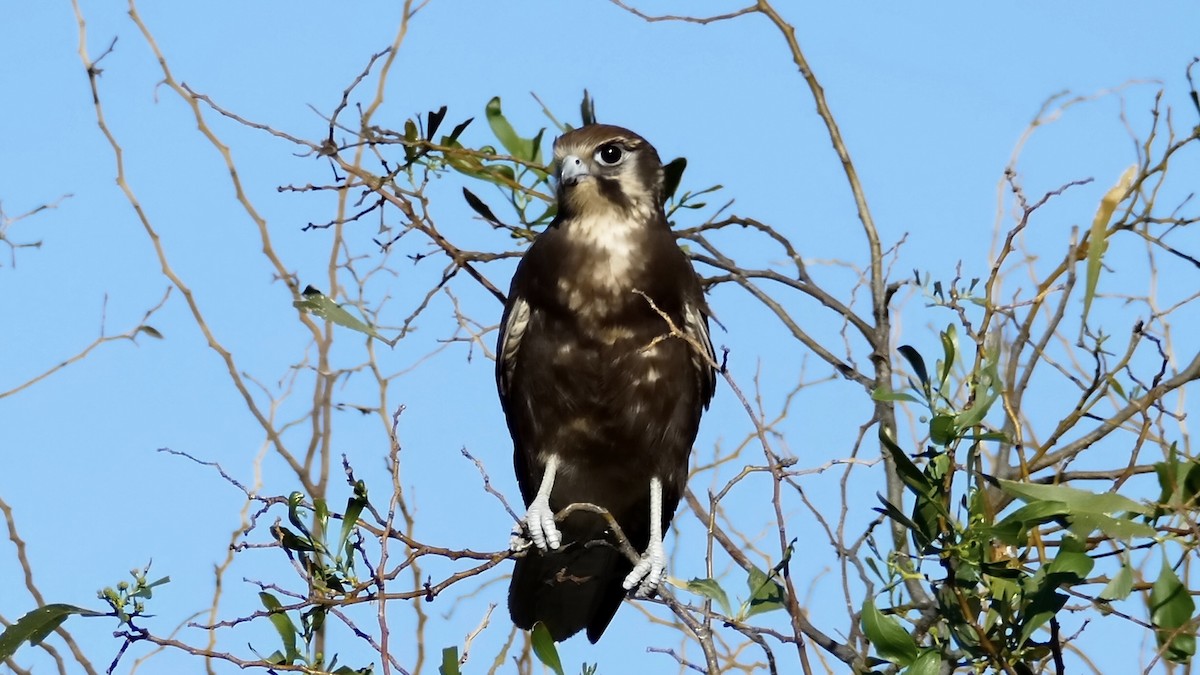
604	366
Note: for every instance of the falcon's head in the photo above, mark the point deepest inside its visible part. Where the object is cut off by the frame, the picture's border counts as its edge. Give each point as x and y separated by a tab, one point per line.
602	168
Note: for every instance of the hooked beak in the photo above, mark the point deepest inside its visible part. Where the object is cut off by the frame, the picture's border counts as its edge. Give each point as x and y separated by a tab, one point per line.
572	170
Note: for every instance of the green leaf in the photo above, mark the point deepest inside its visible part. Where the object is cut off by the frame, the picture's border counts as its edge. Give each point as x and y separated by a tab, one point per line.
452	139
319	305
290	540
1014	528
1083	524
712	590
1120	586
1171	609
918	364
766	595
943	429
147	591
1042	607
478	206
283	625
410	139
672	176
1079	501
587	109
893	512
1097	237
891	641
928	663
949	354
450	664
295	503
521	148
36	625
978	410
433	121
354	508
881	394
913	477
1071	561
928	515
544	649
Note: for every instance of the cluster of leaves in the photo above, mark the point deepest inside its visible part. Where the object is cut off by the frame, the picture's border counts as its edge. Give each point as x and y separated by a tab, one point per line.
1005	578
329	568
126	602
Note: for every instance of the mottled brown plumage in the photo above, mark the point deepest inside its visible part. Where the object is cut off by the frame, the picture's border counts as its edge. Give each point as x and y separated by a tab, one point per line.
594	385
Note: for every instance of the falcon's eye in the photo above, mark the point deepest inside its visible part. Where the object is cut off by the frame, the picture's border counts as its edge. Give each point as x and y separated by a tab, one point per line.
610	154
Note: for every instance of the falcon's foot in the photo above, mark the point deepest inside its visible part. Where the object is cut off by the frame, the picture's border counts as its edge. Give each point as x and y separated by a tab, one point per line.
649	572
518	542
539	521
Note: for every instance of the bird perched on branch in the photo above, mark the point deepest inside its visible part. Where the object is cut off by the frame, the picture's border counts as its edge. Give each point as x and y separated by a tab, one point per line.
604	366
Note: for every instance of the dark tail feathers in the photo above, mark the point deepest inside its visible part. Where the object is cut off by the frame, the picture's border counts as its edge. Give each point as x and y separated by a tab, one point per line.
568	589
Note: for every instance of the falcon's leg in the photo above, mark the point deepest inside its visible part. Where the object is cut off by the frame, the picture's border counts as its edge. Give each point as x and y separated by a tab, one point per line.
539	518
651	569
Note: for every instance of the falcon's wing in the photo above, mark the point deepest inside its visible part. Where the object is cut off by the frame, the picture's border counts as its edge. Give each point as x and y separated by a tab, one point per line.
512	329
695	326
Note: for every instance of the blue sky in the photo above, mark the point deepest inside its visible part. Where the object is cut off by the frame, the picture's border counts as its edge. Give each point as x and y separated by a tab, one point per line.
930	98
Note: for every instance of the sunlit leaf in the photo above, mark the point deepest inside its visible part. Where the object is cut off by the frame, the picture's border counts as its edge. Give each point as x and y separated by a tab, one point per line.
1120	586
1097	241
1083	524
316	303
521	148
1079	501
766	594
1014	528
147	591
712	590
949	353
